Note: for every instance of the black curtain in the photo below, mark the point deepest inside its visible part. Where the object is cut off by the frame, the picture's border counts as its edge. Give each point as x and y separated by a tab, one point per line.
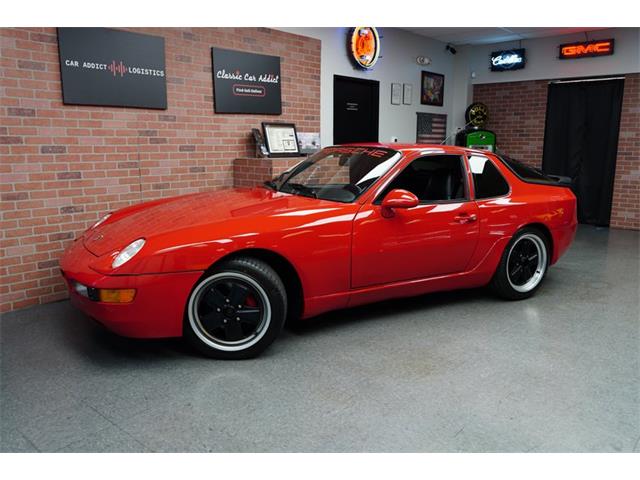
581	142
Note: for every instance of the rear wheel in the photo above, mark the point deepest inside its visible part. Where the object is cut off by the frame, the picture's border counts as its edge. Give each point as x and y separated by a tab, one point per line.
236	310
523	265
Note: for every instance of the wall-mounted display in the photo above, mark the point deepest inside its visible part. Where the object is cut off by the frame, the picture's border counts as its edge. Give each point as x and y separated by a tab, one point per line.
407	94
246	82
432	89
595	48
432	128
364	46
396	94
101	66
281	139
504	60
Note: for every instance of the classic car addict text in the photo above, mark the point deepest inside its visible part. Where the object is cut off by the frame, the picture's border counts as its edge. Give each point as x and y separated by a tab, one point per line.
248	77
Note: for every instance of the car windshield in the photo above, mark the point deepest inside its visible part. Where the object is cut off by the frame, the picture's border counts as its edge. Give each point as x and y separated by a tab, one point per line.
340	174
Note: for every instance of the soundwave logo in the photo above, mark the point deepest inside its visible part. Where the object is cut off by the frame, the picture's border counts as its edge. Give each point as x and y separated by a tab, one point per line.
116	68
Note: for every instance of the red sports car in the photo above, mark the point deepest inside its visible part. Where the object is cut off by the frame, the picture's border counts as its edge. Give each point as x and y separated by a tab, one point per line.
347	226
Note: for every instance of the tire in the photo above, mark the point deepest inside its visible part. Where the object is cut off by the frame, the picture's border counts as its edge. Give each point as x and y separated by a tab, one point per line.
519	274
236	310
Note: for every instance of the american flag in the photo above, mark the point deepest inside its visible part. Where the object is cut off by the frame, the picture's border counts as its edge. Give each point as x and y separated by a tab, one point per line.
432	128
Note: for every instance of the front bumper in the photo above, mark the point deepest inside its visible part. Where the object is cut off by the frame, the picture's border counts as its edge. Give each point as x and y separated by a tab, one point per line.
157	309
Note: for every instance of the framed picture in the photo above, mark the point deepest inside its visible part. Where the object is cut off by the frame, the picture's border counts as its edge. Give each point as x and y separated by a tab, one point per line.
407	93
396	94
281	139
432	89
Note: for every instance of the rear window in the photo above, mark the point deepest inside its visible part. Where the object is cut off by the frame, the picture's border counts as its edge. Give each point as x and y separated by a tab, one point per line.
488	182
525	172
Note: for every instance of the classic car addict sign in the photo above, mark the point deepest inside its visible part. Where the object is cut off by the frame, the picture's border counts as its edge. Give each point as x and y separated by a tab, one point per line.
246	82
100	66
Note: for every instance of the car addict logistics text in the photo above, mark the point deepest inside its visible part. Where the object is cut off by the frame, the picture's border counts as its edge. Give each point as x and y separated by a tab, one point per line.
120	68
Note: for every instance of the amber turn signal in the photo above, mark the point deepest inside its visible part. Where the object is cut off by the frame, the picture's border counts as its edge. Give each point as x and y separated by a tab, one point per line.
122	295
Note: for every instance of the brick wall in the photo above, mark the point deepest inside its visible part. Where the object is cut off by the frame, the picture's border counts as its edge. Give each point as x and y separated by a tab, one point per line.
517	115
63	166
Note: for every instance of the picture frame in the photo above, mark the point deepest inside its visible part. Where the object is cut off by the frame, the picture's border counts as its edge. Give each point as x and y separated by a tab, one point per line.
407	94
281	139
432	89
396	94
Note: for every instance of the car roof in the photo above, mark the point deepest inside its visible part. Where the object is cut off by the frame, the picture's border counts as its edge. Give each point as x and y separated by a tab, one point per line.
418	147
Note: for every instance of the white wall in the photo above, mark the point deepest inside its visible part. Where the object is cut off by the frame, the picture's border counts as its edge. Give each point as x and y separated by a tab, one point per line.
397	64
543	63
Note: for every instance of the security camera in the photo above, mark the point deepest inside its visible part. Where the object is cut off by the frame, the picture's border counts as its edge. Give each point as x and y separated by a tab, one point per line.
451	48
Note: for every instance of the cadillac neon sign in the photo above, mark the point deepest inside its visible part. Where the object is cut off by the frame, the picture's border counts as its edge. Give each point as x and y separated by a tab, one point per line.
596	48
507	60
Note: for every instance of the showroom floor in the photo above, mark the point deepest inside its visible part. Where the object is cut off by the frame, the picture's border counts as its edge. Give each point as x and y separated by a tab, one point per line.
458	371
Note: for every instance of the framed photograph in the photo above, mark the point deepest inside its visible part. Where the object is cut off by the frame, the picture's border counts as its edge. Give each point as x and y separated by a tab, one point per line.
432	89
281	139
407	93
396	94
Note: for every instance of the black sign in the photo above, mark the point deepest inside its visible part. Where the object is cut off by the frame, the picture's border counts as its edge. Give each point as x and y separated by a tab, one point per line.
507	60
100	66
246	82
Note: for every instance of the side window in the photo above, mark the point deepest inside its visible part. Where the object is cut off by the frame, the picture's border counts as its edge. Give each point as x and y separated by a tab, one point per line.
432	178
487	179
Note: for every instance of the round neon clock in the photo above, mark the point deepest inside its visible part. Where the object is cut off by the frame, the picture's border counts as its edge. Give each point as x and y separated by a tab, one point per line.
364	46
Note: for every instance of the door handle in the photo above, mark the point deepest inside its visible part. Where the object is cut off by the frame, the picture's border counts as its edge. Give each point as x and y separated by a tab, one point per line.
466	218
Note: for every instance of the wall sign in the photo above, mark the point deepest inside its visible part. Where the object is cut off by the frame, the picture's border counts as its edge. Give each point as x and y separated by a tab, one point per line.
596	48
504	60
100	66
364	46
246	82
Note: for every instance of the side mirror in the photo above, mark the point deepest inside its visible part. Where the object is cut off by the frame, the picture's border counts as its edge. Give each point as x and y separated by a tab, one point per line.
398	198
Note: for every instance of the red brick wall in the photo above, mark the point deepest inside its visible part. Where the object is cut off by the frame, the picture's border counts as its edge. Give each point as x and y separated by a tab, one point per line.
517	115
63	167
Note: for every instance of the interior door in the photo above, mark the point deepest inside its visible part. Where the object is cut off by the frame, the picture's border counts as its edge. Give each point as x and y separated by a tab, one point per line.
581	142
355	110
437	237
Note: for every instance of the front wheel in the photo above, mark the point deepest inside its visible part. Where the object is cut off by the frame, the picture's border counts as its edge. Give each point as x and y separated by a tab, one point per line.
236	310
523	265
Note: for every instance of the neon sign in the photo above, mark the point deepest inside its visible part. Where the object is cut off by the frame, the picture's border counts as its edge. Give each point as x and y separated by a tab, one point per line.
596	48
507	60
364	46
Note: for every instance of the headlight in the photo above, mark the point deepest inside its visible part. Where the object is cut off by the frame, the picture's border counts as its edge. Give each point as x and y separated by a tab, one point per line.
128	253
103	219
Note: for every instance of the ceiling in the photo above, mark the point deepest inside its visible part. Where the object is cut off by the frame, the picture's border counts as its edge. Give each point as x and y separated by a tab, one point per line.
484	35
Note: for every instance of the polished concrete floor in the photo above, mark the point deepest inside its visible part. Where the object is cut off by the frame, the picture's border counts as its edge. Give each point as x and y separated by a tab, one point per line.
458	371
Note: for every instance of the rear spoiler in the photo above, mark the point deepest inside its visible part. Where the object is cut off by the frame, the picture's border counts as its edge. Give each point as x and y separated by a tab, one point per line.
564	181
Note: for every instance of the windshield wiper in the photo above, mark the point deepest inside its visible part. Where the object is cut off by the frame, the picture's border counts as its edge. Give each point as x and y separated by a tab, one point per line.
271	184
302	189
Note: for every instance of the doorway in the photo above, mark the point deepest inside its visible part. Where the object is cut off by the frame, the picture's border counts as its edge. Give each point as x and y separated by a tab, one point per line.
355	109
581	141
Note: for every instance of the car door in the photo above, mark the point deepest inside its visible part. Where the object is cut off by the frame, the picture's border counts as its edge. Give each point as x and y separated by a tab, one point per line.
437	237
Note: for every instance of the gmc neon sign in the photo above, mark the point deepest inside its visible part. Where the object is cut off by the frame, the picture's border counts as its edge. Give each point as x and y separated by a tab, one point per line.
596	48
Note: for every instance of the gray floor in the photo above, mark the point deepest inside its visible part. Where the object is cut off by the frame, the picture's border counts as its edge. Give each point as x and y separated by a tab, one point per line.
458	371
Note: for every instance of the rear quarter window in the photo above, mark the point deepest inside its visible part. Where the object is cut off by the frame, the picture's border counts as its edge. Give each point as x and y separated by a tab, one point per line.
488	182
525	172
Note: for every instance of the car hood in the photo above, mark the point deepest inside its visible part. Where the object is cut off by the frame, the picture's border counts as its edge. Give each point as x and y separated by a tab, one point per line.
241	206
